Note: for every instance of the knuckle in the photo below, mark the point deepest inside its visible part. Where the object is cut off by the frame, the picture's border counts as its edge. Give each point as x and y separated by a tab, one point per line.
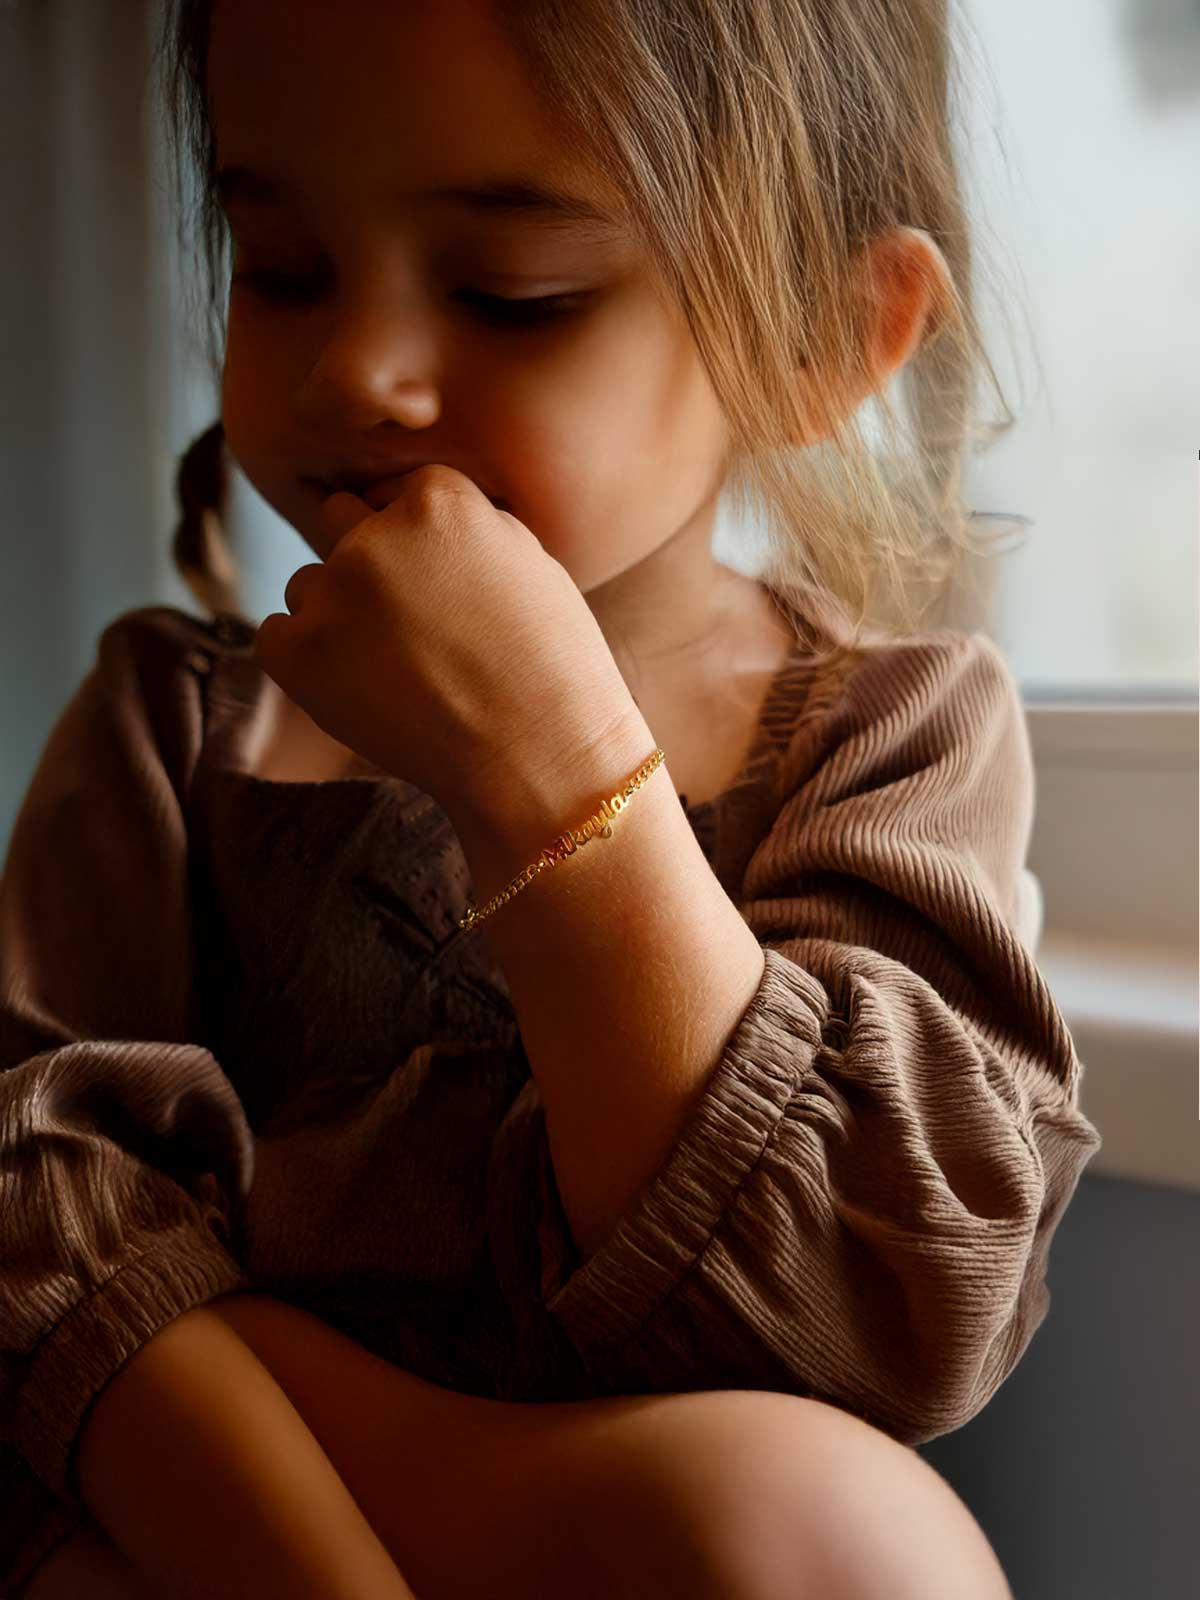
354	560
440	495
430	483
435	473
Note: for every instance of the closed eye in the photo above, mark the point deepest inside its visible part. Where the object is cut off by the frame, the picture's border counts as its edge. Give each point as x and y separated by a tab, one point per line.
542	309
513	312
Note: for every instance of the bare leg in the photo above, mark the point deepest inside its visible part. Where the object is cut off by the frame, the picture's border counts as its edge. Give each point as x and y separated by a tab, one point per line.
716	1495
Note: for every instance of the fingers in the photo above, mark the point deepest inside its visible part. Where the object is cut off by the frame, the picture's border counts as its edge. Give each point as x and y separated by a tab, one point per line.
380	495
343	511
297	585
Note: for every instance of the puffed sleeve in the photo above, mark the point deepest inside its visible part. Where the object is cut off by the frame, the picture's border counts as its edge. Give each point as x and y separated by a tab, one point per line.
123	1145
861	1206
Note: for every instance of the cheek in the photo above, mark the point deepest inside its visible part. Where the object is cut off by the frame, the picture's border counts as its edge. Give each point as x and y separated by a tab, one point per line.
262	350
237	416
582	448
251	407
635	412
589	514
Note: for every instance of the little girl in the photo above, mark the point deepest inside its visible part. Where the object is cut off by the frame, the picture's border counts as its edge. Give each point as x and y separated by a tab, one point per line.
418	1174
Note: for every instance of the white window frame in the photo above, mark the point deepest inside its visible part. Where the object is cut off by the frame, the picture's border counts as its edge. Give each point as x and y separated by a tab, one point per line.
1114	849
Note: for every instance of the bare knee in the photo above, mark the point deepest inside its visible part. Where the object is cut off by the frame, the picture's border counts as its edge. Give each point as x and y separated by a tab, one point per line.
742	1493
880	1522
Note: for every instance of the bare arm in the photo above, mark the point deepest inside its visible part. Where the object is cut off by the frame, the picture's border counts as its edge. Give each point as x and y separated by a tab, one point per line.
205	1476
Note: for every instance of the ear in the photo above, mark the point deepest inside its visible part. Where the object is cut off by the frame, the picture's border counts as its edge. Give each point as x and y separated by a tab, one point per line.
909	282
908	288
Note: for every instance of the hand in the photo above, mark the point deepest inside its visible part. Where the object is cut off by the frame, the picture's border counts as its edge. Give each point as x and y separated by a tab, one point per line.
439	640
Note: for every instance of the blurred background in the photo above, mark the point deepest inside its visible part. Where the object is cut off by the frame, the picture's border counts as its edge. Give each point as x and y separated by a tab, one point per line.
1080	147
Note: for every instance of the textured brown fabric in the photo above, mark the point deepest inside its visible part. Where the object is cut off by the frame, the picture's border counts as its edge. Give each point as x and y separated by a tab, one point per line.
243	1045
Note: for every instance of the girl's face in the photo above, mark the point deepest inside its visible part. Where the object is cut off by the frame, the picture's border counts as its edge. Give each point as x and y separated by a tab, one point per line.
364	331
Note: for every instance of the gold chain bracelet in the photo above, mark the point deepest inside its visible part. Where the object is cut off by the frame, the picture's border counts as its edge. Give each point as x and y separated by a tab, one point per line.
597	826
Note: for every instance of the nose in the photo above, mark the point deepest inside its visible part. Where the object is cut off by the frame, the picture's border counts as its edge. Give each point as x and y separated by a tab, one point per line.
376	364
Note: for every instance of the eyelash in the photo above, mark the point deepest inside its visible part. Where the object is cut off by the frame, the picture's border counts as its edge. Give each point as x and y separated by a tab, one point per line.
511	312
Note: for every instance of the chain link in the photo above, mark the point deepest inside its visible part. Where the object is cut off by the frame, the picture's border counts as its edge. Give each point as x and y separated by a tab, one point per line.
597	826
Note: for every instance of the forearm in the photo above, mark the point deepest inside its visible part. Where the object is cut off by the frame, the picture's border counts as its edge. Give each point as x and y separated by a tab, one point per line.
206	1477
404	1447
628	965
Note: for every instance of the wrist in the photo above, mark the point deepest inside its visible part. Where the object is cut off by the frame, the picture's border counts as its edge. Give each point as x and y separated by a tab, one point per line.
523	802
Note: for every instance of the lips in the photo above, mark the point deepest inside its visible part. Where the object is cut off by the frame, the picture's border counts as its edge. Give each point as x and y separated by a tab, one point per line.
361	485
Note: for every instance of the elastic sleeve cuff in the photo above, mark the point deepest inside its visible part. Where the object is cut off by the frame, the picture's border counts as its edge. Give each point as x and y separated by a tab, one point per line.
606	1301
87	1348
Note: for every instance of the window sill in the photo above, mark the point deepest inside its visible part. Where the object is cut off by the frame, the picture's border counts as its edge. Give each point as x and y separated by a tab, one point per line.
1132	1008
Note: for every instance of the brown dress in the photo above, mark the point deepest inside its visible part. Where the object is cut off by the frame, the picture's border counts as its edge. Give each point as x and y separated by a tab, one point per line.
242	1044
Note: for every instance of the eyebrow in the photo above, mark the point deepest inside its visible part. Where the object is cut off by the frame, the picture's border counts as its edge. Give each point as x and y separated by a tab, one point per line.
541	204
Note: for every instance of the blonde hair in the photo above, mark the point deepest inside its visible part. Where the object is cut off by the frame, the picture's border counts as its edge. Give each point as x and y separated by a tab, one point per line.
759	146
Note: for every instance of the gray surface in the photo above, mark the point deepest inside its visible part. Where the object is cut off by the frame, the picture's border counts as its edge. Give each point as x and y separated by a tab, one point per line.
1084	1470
